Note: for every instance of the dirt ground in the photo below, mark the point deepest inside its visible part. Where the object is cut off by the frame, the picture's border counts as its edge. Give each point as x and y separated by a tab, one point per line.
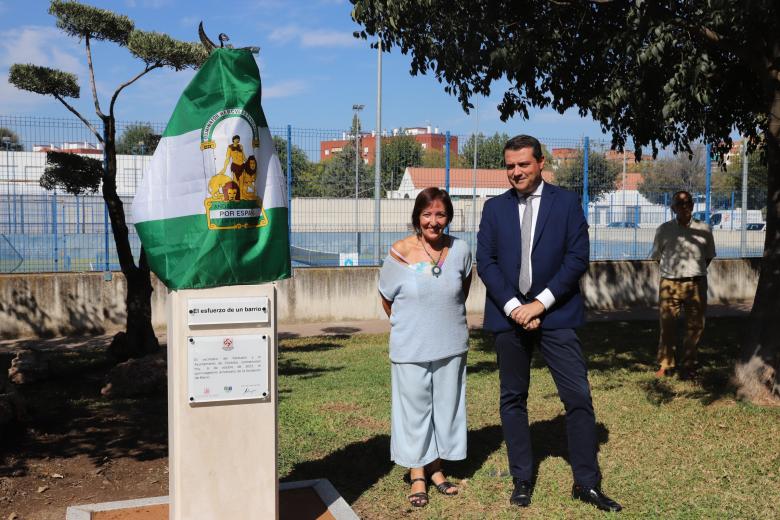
75	446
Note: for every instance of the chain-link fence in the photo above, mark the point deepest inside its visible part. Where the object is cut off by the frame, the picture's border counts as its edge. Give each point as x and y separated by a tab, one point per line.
336	217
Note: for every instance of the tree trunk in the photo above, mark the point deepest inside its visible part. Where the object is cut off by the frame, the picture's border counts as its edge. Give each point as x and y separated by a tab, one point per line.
138	339
757	373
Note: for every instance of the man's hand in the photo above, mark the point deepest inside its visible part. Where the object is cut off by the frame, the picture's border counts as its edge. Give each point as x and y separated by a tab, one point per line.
525	315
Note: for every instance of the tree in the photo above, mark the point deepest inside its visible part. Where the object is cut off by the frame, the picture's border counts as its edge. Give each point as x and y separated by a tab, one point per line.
71	172
756	180
9	140
338	176
90	24
138	139
602	174
434	158
399	153
490	150
663	74
300	165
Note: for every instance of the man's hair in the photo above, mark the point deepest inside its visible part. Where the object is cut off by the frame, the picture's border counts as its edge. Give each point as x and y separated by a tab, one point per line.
676	198
519	142
424	199
236	137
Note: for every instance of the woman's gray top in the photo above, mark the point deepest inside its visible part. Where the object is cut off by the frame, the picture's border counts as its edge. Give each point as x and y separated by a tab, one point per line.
428	319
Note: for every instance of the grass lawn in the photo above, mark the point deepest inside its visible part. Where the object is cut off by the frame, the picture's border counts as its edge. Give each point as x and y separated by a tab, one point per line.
668	448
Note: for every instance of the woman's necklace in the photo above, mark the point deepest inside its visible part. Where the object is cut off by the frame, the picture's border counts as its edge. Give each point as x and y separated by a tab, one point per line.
436	269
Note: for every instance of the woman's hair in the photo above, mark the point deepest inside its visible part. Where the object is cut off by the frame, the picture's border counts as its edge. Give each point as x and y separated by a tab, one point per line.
424	199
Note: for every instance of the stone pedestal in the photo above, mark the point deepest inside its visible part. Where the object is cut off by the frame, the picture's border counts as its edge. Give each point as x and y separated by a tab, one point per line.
222	452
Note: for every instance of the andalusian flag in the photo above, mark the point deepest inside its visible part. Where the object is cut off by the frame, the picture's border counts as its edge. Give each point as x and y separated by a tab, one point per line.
212	207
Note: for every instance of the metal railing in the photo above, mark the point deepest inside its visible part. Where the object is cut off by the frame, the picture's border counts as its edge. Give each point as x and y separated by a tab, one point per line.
332	201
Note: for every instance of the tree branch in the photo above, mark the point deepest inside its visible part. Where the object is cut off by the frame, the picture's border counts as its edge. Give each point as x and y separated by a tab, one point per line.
83	120
121	87
92	78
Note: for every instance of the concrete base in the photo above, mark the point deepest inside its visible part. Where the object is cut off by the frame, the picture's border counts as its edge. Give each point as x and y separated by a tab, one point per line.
303	500
221	455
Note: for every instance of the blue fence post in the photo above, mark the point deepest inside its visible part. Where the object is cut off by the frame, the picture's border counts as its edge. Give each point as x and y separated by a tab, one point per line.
585	154
708	184
289	183
636	223
447	167
21	215
106	267
447	161
54	229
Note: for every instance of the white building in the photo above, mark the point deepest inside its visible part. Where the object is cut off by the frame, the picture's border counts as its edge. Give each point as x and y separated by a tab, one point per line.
463	182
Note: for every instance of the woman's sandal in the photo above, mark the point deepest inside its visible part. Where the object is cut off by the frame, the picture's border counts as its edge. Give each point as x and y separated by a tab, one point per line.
418	499
445	486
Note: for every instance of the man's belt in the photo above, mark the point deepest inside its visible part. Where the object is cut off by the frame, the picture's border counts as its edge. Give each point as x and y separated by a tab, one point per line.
687	279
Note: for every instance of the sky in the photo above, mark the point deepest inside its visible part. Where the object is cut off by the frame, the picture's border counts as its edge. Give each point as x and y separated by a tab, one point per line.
312	69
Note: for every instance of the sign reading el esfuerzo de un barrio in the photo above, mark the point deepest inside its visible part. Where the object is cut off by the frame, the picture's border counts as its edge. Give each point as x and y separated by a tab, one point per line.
227	311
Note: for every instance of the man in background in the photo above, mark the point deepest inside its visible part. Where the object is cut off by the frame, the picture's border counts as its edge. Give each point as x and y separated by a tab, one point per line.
684	247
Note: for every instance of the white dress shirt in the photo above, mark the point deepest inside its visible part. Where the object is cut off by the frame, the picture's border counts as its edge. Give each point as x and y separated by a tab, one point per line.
546	296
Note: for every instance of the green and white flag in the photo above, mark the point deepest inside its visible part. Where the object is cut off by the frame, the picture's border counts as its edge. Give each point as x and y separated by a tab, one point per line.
212	207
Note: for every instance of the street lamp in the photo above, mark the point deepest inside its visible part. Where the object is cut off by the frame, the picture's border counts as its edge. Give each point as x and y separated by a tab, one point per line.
356	129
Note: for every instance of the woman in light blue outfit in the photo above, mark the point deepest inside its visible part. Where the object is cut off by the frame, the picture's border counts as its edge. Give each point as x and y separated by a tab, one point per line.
423	286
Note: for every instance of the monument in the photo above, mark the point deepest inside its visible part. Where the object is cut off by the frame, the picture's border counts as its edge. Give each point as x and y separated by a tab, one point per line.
211	212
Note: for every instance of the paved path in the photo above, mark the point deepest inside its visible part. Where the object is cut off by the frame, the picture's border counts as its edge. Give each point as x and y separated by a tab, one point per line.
295	330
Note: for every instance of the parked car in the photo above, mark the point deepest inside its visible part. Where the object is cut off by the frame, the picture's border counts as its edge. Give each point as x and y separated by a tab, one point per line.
730	218
622	224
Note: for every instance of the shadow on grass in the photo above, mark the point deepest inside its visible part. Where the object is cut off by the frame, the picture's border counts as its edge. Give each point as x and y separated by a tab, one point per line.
317	346
617	346
352	470
482	366
548	439
293	367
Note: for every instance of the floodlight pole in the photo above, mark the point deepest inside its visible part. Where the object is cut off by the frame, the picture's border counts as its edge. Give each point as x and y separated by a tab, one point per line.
378	157
356	129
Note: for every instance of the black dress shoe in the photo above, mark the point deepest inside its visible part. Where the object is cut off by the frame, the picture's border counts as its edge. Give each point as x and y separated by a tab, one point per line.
521	495
595	497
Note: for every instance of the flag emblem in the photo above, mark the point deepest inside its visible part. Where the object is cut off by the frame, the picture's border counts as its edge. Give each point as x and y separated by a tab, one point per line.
211	209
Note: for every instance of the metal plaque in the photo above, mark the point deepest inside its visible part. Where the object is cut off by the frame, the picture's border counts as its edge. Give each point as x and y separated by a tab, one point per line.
227	367
227	311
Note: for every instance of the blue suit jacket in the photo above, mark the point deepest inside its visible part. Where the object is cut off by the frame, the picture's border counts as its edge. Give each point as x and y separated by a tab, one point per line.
559	257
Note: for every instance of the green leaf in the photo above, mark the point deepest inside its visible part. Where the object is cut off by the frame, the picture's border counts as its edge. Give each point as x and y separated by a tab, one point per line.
157	48
80	20
74	173
43	80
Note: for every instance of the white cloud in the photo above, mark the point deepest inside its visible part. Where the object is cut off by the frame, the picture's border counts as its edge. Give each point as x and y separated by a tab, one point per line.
285	33
189	21
324	38
283	89
40	45
147	4
312	37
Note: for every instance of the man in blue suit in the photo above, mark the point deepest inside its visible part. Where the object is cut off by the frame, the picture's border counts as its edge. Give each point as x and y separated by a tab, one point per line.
532	249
